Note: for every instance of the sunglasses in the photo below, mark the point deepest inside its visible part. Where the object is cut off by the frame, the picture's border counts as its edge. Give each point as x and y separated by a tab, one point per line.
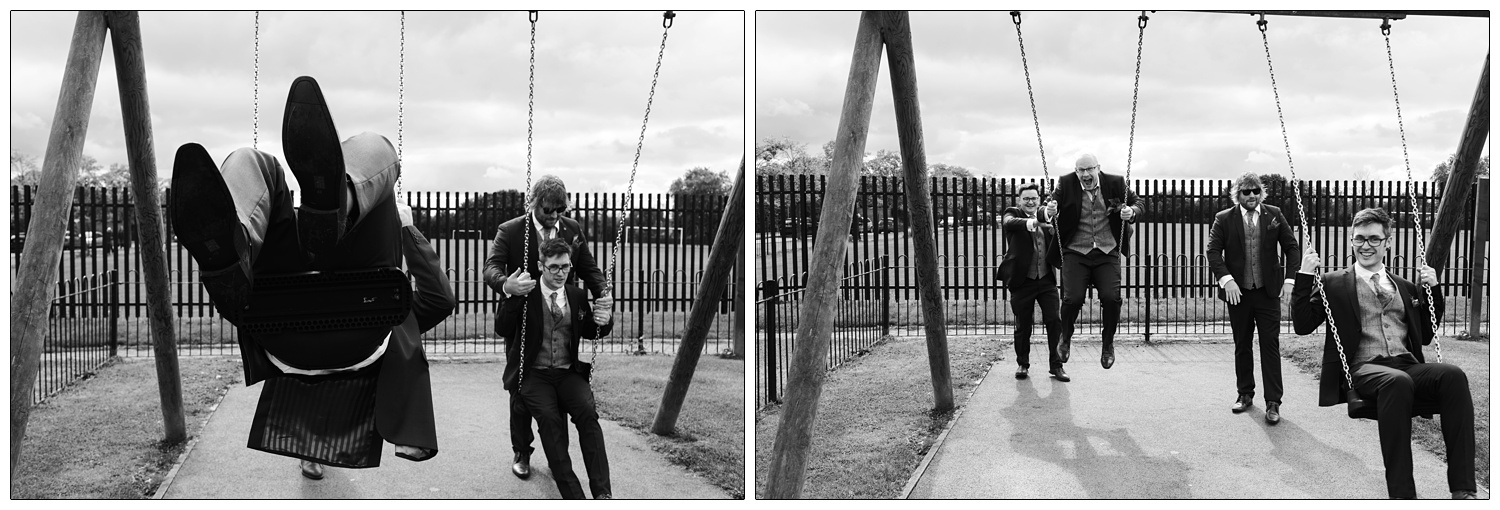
554	210
1249	192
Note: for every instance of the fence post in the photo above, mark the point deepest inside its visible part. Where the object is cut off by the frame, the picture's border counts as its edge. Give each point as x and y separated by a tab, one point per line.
114	312
643	305
1477	260
885	295
771	290
1150	284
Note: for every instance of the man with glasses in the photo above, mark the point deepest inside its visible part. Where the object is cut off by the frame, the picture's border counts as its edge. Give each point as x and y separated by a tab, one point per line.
1242	255
1028	269
1383	321
546	205
549	377
1093	211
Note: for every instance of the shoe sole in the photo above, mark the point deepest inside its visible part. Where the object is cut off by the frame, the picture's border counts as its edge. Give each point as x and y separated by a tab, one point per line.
311	145
210	228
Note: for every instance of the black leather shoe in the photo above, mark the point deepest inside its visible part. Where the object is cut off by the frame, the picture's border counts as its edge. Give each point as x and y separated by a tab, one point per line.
311	145
522	467
1060	374
1064	346
1273	412
205	222
312	470
1242	403
1021	373
1464	495
605	496
1107	355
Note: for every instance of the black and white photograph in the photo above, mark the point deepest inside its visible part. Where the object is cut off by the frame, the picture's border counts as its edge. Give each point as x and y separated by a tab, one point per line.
377	255
1101	255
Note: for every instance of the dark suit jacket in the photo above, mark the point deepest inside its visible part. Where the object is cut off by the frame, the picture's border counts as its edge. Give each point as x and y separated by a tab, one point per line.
509	322
1226	247
1019	251
506	255
1069	197
1343	302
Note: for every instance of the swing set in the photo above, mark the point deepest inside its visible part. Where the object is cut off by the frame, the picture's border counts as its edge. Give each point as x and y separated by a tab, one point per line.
891	31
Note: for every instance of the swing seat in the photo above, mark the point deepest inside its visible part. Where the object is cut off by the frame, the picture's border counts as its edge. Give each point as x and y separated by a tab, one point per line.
1367	409
328	300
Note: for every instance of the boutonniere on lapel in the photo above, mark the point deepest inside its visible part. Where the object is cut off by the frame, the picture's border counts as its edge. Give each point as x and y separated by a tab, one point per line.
579	315
1273	223
1415	303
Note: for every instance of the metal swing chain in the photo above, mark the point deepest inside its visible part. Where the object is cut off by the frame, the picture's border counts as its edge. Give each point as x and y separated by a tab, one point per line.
401	102
1135	96
526	193
1301	212
1015	17
255	119
614	250
1385	29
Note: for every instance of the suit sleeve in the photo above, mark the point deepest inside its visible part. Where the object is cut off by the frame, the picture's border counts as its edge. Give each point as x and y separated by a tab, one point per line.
1307	307
508	324
495	267
1289	247
587	266
1010	223
433	300
1132	199
1438	304
1215	249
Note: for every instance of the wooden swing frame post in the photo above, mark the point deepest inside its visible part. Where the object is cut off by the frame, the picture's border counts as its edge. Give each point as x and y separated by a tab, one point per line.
40	258
807	372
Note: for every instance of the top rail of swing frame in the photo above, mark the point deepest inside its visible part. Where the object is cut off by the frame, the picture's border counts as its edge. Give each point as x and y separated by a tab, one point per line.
1391	15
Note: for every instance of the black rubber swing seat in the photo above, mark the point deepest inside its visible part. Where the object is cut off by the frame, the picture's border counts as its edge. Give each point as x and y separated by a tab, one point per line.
328	300
1367	411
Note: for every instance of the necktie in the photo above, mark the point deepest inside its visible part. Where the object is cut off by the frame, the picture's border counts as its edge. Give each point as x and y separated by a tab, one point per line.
556	310
1379	292
1250	221
549	233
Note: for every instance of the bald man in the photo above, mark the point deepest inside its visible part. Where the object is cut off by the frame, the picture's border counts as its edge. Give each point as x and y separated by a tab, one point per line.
1091	210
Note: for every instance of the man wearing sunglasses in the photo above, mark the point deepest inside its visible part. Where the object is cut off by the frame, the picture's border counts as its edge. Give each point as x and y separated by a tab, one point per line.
1090	209
546	206
1383	320
549	376
1242	255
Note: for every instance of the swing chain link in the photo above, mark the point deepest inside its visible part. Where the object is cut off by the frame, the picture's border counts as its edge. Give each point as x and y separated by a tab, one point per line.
255	118
526	195
1416	215
1301	212
614	249
1036	122
401	103
1140	44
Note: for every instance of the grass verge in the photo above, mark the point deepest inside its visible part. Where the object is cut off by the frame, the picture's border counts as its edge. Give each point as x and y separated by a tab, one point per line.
1473	356
710	436
102	437
875	419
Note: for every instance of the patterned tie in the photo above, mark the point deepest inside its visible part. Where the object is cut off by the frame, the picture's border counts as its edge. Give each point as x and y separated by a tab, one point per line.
1250	220
1379	292
552	303
549	233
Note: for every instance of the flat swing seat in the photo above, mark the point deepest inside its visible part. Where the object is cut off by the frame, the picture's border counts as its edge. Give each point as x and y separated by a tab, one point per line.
328	300
1367	411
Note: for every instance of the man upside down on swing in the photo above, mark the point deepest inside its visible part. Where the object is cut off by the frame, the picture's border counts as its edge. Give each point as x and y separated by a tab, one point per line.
331	397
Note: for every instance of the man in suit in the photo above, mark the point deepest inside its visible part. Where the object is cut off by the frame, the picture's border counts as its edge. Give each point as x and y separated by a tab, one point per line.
547	204
1382	322
1025	268
330	397
1242	255
1092	211
546	372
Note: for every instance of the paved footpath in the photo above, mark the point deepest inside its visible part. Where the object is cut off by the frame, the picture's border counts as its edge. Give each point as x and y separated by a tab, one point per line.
473	460
1156	426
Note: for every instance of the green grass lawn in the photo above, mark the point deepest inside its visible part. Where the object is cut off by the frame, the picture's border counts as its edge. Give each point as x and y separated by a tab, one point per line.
710	438
102	438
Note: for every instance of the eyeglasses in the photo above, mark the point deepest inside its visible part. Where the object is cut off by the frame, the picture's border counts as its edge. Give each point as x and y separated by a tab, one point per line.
1368	241
559	269
1248	192
1088	168
554	210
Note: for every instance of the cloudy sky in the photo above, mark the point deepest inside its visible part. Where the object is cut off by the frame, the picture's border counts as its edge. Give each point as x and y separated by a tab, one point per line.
1206	107
465	89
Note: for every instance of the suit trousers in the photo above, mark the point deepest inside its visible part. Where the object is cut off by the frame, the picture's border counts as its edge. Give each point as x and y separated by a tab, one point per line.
1259	310
551	393
520	425
1396	384
1024	298
1103	271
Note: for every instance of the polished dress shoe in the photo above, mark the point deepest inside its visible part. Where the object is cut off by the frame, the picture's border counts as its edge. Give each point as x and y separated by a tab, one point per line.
1060	374
1020	372
1273	412
1465	495
605	496
522	466
312	470
1241	403
206	224
1064	346
1107	355
311	146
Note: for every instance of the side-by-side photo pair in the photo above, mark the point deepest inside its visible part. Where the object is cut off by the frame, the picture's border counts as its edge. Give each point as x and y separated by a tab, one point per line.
755	254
